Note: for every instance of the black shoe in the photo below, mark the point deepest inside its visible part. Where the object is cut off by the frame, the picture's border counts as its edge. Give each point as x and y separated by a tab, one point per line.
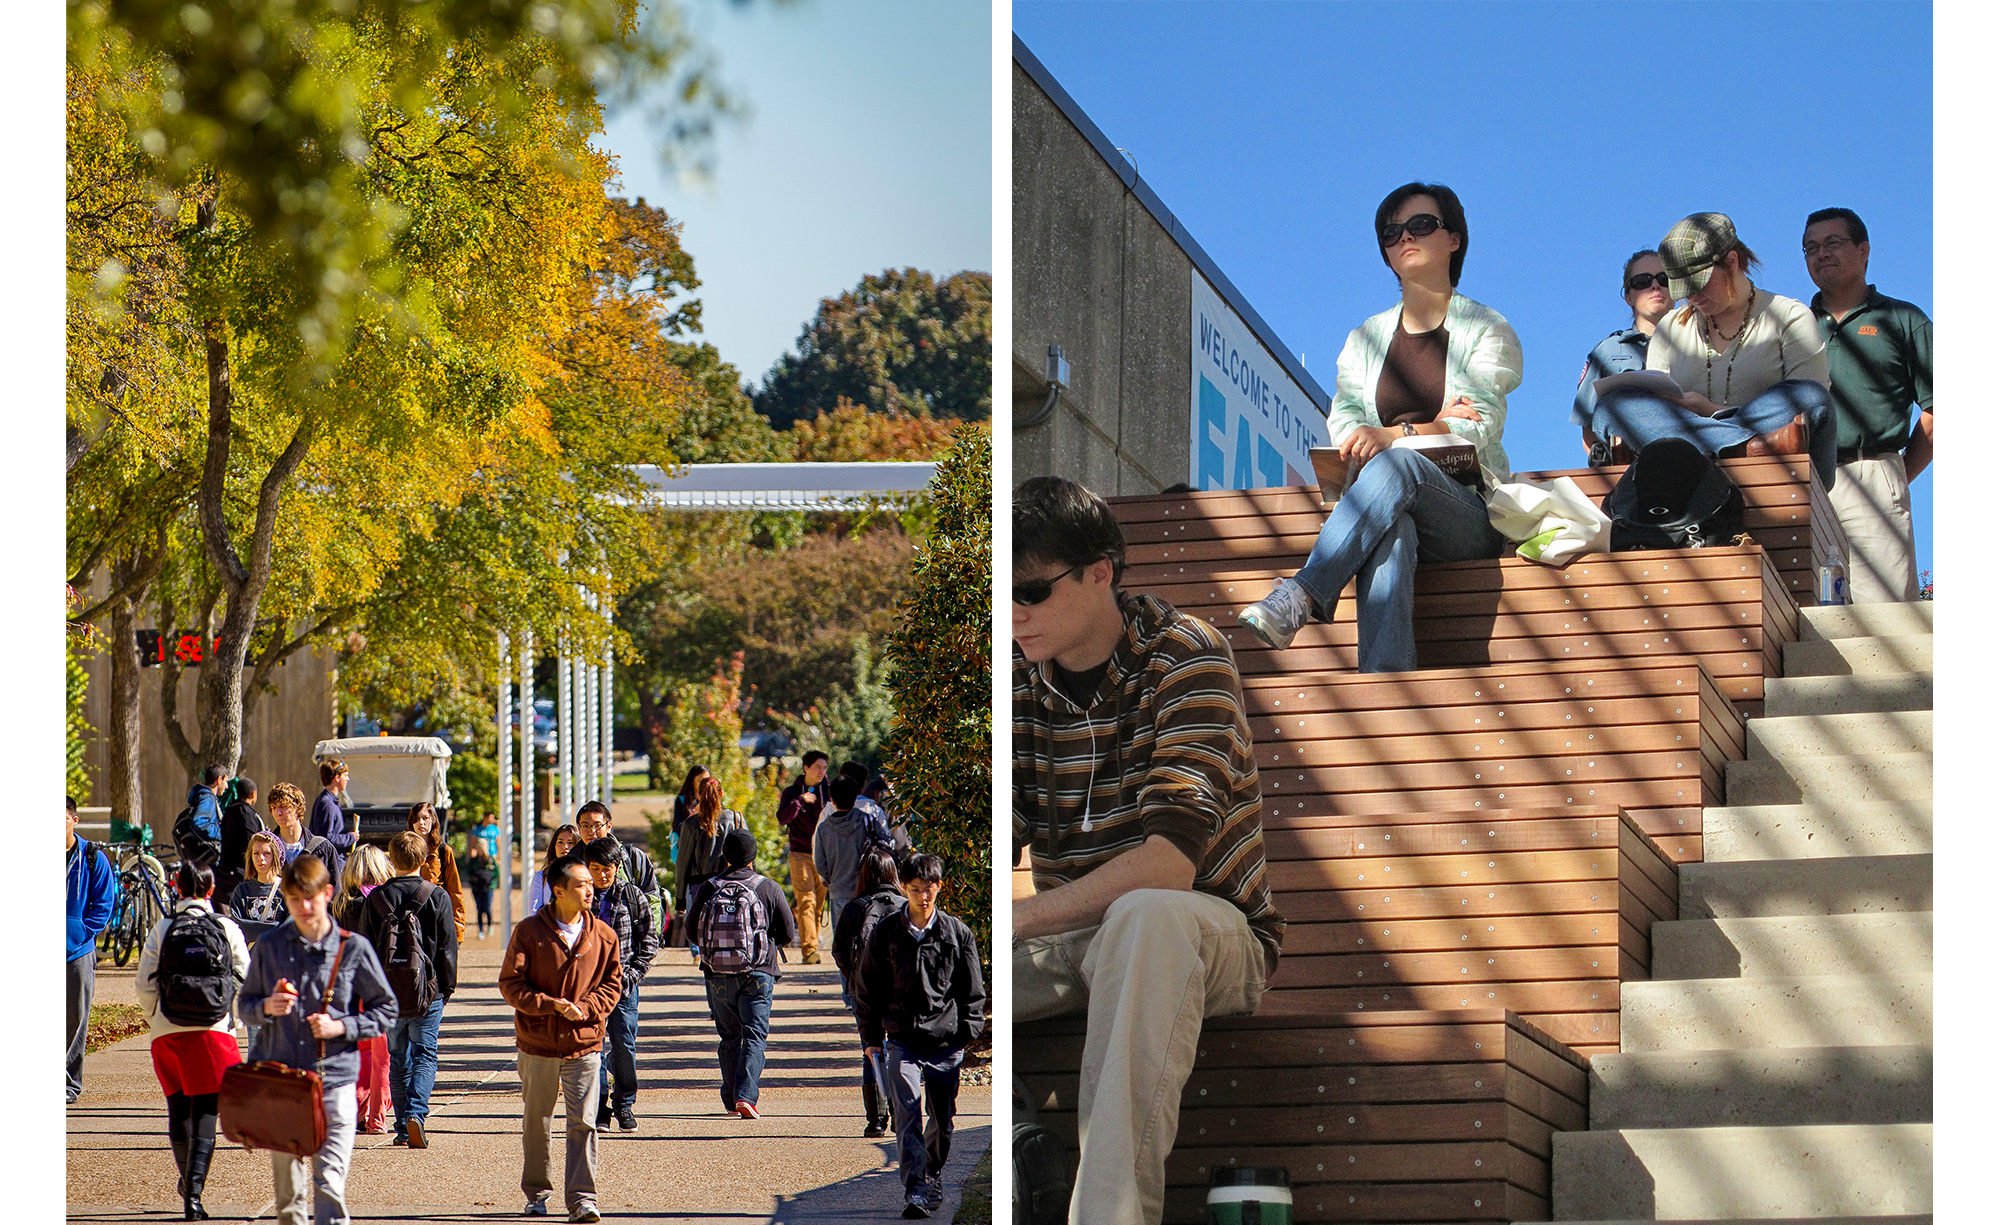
873	1129
401	1138
192	1206
626	1120
603	1120
916	1210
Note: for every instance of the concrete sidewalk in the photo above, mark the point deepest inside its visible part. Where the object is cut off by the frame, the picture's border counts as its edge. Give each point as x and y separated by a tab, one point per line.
804	1160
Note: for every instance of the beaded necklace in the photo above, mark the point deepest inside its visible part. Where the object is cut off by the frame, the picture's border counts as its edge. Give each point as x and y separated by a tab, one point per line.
1735	347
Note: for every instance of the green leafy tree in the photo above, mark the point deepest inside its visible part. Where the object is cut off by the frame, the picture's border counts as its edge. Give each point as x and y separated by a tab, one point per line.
900	342
940	754
850	722
703	727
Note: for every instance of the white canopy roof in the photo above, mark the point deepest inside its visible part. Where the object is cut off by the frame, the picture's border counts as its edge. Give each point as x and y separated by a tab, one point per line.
388	770
835	487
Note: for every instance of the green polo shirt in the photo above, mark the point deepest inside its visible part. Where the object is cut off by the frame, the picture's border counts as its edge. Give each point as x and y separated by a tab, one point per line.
1880	360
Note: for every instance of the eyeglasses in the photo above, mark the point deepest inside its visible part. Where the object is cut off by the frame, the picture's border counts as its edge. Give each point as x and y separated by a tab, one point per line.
1643	280
1029	594
1831	246
1420	226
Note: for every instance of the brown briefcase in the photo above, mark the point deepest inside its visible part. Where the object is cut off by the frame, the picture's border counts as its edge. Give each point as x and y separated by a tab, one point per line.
275	1106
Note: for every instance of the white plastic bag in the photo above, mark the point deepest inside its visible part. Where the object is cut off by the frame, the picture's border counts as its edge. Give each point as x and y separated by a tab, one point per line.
1550	521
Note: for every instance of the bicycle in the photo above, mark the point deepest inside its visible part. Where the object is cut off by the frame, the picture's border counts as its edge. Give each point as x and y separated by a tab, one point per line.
139	903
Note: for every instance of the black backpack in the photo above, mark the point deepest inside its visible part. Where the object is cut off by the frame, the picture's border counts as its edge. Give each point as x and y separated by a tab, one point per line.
195	976
192	842
405	962
1673	497
1042	1176
733	935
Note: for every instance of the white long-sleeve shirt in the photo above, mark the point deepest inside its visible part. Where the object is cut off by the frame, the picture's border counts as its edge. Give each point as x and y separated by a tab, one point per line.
149	962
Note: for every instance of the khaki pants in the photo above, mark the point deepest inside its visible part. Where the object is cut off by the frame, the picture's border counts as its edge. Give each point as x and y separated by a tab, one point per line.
315	1188
1160	962
810	891
1871	499
543	1078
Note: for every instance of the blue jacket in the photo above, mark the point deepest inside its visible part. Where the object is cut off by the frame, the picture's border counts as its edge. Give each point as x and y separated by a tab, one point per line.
1617	353
92	885
207	811
361	999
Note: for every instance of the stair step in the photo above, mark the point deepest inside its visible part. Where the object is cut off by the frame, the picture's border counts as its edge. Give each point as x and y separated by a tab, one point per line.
1734	1014
1870	732
1761	1088
1866	620
1860	884
1859	656
1830	695
1796	946
1751	1173
1918	1218
1817	829
1842	779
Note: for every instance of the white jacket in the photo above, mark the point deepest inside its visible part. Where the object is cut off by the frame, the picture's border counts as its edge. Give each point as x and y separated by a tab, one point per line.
1482	361
149	961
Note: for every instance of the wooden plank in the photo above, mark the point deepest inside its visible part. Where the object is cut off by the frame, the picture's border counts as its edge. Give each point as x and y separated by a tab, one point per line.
1388	1202
1545	1003
1498	932
1505	966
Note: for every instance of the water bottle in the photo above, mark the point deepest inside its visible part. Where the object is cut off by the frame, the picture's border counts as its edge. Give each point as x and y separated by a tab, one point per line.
1832	583
1250	1195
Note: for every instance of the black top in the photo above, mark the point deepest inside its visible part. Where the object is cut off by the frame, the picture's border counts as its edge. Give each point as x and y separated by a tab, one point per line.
1410	389
925	992
434	920
239	821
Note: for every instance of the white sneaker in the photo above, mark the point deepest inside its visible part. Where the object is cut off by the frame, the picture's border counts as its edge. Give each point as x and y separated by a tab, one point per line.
1278	617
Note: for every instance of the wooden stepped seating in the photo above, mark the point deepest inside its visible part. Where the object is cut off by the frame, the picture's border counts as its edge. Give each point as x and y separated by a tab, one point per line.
1378	1116
1725	606
1651	735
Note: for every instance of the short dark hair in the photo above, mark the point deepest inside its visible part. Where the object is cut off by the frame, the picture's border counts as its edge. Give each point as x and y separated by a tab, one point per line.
1857	231
854	770
921	866
195	879
593	806
1058	520
246	787
331	769
812	755
607	851
559	871
878	868
845	789
305	876
211	775
1630	260
69	802
1453	216
408	850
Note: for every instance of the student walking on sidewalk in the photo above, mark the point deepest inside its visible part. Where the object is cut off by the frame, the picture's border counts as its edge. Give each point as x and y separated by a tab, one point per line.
409	921
922	1002
739	922
314	992
187	979
562	976
625	908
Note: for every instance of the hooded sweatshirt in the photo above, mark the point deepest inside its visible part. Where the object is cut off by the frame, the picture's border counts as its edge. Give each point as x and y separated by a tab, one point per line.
1161	746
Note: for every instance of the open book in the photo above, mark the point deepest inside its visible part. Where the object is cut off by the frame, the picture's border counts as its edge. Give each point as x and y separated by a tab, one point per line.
1653	382
1458	458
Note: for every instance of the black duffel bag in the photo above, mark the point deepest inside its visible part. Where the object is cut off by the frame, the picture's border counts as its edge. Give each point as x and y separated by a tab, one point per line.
1673	497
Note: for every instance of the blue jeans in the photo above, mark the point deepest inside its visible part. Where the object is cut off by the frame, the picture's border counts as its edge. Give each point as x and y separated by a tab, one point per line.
926	1087
1401	510
619	1077
740	1006
413	1065
1639	418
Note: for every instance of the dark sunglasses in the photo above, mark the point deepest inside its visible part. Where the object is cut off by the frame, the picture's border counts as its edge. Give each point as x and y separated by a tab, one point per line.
1420	226
1035	592
1634	284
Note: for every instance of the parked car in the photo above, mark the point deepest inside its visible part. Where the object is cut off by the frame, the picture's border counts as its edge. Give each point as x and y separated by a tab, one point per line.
387	774
766	744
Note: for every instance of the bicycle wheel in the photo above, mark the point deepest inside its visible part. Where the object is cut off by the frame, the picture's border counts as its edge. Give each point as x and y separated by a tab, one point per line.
124	929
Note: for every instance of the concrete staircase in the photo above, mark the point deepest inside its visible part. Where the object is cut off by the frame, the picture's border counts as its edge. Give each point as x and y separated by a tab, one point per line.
1778	1065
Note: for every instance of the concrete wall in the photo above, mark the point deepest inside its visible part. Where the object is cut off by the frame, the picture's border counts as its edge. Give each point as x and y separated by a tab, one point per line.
278	738
1103	269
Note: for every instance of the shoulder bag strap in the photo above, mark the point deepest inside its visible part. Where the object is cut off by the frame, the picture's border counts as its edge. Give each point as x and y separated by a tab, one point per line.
326	993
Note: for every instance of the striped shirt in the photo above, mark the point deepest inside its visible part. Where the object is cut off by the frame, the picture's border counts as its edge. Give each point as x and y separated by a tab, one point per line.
1162	747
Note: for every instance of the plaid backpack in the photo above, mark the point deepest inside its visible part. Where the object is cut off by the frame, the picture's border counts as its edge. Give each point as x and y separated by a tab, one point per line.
733	936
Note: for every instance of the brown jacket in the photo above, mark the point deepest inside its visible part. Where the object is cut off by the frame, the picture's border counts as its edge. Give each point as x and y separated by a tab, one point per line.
441	869
539	969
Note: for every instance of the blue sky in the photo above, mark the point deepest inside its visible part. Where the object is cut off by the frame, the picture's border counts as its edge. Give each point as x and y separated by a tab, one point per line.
1574	134
868	146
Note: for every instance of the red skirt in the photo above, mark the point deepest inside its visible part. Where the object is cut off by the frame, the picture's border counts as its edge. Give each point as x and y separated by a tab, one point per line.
192	1061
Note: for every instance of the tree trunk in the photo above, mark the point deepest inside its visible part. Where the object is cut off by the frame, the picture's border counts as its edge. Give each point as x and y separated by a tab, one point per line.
121	732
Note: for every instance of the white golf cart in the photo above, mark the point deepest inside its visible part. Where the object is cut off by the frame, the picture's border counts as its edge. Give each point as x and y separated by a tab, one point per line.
387	774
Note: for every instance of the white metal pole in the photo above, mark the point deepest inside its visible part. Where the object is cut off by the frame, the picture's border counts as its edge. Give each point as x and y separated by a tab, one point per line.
528	821
565	734
586	730
503	786
610	719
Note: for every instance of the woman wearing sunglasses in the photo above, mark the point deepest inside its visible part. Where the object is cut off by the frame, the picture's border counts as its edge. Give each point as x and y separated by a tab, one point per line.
1746	360
1435	363
1645	287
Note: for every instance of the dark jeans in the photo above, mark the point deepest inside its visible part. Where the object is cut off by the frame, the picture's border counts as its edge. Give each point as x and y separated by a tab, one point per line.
482	899
80	983
740	1005
1640	418
619	1074
924	1086
413	1065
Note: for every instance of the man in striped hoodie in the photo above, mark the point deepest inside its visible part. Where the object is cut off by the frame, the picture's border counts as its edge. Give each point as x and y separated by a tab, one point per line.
1135	794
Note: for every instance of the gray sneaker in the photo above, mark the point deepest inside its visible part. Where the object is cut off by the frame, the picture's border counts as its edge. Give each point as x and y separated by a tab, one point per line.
1278	617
